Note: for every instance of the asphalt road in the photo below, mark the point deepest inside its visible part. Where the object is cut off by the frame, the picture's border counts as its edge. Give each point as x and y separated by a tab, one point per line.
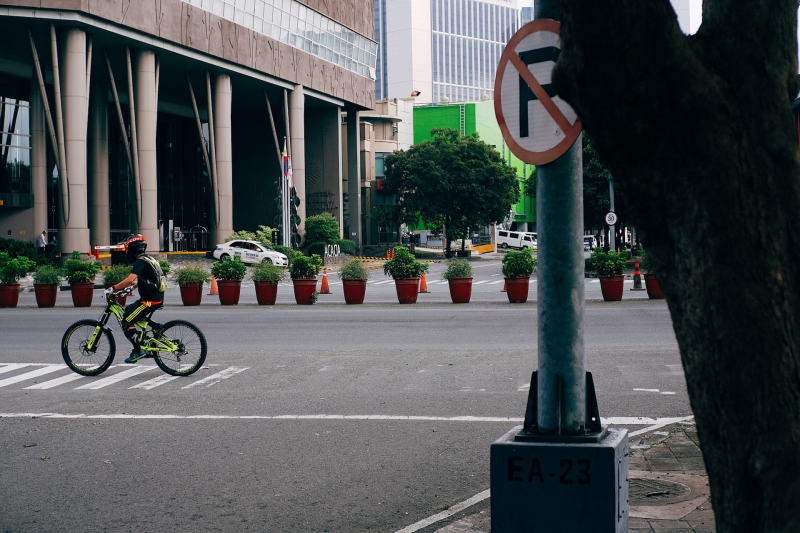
323	418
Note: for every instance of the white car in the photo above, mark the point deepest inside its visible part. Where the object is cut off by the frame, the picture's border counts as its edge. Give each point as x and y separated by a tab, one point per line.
251	252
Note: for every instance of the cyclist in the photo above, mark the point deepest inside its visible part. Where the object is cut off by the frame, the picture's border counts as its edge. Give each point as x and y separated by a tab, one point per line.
151	295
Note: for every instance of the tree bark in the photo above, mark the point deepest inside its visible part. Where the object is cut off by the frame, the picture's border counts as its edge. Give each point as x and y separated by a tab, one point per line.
699	129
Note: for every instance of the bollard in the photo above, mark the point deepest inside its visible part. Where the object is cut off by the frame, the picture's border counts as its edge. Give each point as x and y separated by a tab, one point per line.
325	288
637	278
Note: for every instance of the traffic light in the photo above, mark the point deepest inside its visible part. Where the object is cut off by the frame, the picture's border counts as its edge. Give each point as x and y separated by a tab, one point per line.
294	218
275	236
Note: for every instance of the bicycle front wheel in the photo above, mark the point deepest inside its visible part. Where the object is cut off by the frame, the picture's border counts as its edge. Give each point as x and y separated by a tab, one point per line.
191	352
75	347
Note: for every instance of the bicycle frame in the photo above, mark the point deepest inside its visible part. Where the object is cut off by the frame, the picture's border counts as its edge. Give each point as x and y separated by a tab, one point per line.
148	344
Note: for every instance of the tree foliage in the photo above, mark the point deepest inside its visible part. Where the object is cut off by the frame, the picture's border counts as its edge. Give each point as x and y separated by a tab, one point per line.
699	130
453	181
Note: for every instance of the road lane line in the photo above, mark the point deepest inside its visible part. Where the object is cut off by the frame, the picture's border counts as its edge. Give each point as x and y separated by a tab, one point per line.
496	282
457	508
481	281
219	376
32	374
10	367
116	378
55	382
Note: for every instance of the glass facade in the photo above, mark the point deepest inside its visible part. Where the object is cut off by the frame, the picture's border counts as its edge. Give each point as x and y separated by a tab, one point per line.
467	39
15	152
381	81
294	24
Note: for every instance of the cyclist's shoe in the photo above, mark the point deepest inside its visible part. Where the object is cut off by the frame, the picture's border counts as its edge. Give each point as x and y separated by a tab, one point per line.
136	354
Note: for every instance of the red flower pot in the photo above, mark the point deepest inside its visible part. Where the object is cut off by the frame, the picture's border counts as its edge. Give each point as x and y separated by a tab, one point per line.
229	291
304	288
9	294
460	290
45	294
121	300
191	293
82	293
653	287
407	290
266	292
354	290
612	287
517	289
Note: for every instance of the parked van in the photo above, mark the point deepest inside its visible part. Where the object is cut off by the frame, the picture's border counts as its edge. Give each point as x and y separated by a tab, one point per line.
515	239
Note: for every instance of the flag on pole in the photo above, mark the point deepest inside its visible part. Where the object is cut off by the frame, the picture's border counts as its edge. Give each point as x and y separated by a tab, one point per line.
287	165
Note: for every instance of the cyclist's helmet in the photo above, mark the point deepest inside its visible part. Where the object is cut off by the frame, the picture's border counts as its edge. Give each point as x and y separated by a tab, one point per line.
135	245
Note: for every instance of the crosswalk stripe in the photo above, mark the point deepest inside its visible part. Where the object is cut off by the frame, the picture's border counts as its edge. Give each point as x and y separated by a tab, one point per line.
595	281
219	376
30	375
55	382
382	282
481	281
116	378
155	382
10	367
496	282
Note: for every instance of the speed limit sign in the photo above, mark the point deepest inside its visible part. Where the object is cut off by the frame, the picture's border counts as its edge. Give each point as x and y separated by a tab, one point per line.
611	218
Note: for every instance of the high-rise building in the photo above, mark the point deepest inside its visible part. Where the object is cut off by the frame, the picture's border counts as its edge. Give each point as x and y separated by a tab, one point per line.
445	49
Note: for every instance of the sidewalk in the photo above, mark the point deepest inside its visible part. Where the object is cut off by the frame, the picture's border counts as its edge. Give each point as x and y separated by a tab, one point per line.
668	488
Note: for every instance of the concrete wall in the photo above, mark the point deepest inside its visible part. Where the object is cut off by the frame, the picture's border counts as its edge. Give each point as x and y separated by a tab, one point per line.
18	224
323	162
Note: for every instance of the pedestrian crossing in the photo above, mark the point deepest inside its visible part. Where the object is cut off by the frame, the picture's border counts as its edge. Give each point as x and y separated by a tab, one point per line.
126	376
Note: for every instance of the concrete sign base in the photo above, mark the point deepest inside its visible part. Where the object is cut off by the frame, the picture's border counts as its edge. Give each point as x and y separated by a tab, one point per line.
558	486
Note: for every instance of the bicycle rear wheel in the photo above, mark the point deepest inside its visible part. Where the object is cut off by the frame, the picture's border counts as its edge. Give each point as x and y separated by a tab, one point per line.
192	349
76	354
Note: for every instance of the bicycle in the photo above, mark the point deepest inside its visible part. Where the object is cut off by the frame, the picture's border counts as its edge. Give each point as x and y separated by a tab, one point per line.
88	346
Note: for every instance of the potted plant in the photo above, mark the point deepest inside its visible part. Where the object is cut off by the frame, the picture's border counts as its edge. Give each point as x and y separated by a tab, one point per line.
266	277
651	283
190	279
10	272
46	280
113	276
303	270
354	281
610	267
459	277
406	270
80	274
229	275
517	269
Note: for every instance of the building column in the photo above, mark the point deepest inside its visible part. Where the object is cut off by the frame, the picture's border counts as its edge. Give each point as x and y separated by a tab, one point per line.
224	151
38	160
298	144
97	166
146	116
354	177
74	231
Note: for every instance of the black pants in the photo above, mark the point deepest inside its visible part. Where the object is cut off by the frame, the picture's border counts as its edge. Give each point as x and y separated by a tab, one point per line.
138	310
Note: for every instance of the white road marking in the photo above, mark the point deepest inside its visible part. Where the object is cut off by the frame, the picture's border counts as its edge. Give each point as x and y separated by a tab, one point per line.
55	382
219	376
648	390
116	378
382	282
155	382
32	374
595	281
10	367
457	508
481	281
660	424
496	282
676	370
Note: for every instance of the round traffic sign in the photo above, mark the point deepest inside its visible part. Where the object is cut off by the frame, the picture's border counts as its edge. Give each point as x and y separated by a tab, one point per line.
536	123
611	218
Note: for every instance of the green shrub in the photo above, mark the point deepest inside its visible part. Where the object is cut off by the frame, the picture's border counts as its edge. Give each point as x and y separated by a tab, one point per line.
241	235
316	248
346	246
229	270
457	268
285	250
404	265
165	268
354	269
607	263
80	271
15	248
268	272
13	269
322	228
191	274
47	274
644	262
116	274
303	267
519	264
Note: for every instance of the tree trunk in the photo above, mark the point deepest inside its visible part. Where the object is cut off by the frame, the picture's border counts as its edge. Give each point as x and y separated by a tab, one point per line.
699	130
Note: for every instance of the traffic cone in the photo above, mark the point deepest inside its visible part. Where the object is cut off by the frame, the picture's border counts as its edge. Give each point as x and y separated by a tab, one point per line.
637	278
214	290
325	288
386	255
504	287
423	285
391	255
